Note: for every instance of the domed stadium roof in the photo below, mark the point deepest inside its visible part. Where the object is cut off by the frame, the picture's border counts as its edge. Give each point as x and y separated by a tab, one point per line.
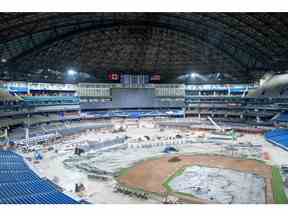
42	46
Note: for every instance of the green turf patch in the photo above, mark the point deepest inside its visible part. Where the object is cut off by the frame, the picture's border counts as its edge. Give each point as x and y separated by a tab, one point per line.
170	178
123	172
166	183
278	187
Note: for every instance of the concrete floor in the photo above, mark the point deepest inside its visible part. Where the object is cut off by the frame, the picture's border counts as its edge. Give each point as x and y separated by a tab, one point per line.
220	185
98	191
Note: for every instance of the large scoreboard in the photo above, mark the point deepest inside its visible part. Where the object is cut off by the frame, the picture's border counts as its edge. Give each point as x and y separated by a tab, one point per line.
133	97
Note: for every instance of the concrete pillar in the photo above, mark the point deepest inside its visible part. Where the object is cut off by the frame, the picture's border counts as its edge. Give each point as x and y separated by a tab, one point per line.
27	126
184	112
241	116
27	136
28	89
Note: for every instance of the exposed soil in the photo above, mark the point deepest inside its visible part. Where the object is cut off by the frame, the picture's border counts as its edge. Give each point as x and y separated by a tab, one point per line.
151	174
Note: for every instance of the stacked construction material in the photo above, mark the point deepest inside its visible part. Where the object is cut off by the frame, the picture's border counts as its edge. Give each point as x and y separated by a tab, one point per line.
20	185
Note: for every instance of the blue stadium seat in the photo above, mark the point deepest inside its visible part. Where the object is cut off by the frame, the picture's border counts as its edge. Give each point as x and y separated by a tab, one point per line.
20	185
282	117
278	137
17	176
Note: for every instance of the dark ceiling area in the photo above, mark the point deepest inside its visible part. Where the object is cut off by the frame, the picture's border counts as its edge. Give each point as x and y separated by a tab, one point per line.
239	46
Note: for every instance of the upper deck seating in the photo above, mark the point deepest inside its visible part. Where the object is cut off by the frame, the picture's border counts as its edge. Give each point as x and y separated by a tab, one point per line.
282	117
50	100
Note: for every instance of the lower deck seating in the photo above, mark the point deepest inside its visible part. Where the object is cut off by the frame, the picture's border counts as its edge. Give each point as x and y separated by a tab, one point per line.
43	198
24	188
278	137
20	185
12	176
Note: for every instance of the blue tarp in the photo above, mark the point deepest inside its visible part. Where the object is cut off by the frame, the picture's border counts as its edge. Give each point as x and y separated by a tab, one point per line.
170	150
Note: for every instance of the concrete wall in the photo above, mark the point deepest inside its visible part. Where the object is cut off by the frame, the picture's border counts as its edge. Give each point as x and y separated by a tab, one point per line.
276	86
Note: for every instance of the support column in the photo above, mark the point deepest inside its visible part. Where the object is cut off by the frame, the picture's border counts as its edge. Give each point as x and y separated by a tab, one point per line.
184	112
27	126
241	116
258	119
28	89
27	136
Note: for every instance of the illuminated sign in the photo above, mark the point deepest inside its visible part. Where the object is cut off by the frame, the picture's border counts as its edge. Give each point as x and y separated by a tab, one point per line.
113	76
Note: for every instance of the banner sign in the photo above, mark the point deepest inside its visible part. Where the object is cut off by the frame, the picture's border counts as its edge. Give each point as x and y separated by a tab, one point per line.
155	77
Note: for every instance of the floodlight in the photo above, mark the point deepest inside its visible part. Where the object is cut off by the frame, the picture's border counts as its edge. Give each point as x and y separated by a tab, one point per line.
71	72
193	75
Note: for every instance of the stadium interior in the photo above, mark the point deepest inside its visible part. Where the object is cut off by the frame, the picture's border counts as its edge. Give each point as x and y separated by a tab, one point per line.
163	108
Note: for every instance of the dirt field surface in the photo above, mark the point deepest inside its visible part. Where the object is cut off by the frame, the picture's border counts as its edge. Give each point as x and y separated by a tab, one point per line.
149	175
